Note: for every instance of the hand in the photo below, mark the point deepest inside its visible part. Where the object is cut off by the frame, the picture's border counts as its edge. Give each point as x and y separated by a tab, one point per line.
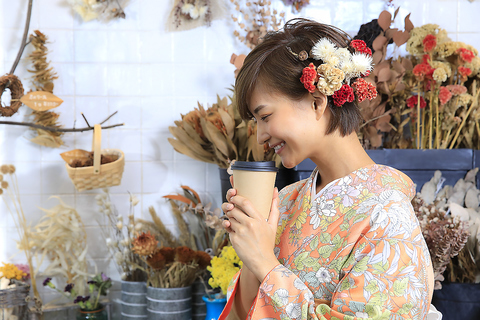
252	237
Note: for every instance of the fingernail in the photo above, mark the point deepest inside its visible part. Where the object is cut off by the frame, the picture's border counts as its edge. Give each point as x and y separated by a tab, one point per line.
229	206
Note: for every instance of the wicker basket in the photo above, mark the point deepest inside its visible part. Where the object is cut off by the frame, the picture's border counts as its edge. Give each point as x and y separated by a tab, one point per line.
98	175
13	303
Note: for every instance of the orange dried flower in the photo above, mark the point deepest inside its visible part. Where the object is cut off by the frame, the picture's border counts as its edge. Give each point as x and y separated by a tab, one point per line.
184	254
157	261
203	259
168	253
145	244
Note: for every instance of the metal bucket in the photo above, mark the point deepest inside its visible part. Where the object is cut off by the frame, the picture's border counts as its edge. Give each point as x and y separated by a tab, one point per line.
169	304
199	308
134	300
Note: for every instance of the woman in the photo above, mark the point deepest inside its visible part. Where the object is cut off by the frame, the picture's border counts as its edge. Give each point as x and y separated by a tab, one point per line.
344	243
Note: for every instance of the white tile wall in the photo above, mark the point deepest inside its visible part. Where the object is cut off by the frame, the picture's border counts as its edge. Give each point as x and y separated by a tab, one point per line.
150	77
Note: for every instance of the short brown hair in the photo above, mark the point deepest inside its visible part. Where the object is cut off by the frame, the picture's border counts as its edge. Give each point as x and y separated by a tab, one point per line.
278	69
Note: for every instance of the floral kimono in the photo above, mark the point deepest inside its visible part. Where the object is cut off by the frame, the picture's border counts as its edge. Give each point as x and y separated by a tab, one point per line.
354	251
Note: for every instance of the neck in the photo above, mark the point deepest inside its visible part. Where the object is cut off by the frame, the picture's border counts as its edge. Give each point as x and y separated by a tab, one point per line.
344	155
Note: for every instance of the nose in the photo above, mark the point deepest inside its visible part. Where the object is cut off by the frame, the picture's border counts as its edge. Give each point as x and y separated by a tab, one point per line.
262	134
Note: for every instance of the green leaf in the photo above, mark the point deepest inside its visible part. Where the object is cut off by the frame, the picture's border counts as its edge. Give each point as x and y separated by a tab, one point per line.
399	287
361	266
405	308
325	251
314	243
380	268
325	238
372	286
299	261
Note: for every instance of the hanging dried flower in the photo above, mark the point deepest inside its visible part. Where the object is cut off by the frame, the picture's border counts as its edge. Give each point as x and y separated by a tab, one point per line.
42	80
103	10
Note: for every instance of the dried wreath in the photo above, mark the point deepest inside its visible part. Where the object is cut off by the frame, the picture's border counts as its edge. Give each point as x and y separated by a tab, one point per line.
339	67
15	86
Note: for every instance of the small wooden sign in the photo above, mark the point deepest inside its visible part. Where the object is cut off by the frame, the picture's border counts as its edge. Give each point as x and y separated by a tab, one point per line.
41	100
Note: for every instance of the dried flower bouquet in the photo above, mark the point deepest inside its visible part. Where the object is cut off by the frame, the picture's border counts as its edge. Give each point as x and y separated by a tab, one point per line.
218	135
428	99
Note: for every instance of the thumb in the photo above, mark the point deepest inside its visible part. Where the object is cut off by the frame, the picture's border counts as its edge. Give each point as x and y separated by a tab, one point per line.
274	212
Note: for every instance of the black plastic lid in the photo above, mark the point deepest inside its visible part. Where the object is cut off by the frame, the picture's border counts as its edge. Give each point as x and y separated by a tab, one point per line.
255	166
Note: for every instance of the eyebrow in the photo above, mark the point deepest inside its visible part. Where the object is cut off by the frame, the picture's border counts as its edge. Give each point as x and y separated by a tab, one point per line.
257	109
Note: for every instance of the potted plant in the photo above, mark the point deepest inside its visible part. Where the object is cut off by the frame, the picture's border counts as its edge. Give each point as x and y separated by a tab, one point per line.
90	304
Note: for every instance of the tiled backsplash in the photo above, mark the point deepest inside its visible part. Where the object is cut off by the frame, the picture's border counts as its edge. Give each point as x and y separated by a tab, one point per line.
150	77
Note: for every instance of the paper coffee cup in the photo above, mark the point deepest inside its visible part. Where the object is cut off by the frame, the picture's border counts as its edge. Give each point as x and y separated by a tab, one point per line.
255	181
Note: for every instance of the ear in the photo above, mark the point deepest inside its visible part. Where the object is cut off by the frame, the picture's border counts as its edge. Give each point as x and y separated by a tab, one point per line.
319	104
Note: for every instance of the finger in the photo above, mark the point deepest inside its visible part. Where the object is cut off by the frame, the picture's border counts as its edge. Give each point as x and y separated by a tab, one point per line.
227	226
244	205
274	212
231	193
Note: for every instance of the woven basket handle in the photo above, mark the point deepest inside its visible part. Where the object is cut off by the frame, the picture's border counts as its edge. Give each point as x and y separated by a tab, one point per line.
97	148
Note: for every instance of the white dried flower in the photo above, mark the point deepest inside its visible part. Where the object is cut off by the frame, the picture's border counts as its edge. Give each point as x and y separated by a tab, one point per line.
138	227
108	205
124	276
134	200
120	218
99	203
107	211
124	242
119	225
118	256
362	63
130	227
126	252
98	197
323	49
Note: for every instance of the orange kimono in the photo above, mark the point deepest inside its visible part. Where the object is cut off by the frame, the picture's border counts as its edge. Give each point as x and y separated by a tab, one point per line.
355	251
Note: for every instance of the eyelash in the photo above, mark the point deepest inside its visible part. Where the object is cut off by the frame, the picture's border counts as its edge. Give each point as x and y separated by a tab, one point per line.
265	117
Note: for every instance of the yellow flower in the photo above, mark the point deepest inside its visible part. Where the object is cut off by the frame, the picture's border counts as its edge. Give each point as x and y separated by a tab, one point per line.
223	268
10	271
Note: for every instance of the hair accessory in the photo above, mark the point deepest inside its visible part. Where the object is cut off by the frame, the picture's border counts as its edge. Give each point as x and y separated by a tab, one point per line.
302	56
332	77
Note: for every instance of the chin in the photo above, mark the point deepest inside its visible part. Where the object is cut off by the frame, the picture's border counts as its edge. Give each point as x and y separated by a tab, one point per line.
289	164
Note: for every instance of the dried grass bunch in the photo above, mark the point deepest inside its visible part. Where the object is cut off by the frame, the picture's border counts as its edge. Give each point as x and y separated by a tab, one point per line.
119	235
10	194
255	20
103	10
218	135
42	80
60	239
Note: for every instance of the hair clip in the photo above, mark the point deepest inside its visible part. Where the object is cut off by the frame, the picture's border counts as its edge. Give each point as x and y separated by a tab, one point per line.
302	56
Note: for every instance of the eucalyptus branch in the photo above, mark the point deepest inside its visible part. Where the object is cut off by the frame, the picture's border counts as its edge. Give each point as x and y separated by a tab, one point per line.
24	39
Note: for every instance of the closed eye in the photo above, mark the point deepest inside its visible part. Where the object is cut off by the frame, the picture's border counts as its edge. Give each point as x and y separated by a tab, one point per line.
265	117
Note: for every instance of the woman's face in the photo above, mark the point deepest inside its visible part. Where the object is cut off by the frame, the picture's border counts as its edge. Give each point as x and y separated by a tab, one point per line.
292	128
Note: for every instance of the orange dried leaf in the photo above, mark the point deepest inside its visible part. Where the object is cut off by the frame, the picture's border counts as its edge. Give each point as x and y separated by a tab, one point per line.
192	191
408	24
179	198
